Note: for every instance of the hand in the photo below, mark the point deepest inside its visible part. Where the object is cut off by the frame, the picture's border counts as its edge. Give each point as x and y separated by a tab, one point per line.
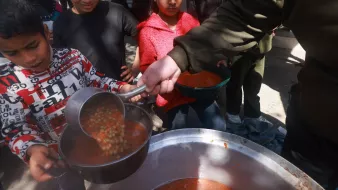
42	159
51	36
226	63
127	74
126	88
161	76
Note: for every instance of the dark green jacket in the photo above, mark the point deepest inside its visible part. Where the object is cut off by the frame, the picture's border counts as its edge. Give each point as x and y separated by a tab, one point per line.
237	25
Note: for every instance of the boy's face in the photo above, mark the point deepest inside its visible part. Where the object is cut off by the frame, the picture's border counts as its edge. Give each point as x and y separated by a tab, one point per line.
85	6
30	51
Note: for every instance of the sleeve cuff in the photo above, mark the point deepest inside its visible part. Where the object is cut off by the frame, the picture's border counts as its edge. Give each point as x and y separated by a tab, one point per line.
22	144
121	84
25	158
180	57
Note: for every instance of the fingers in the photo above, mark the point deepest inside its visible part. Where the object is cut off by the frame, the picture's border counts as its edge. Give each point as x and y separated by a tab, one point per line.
164	87
57	159
51	36
127	78
127	74
156	90
124	73
135	98
131	79
140	82
226	63
39	164
151	80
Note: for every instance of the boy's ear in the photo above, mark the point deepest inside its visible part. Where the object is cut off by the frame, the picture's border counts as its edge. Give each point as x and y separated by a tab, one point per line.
46	31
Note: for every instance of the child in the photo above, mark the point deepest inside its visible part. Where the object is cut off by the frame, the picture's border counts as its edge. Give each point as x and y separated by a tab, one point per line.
156	38
36	85
247	73
49	11
97	29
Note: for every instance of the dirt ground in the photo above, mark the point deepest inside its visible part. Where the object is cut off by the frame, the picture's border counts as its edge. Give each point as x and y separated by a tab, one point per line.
282	65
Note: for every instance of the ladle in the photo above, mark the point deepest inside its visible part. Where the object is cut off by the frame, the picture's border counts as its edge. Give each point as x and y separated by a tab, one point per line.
83	96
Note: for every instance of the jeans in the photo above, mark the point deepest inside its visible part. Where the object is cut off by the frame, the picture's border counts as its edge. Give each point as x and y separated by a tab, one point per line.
207	111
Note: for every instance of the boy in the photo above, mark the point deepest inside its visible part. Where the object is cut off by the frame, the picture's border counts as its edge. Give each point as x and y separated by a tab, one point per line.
97	29
36	85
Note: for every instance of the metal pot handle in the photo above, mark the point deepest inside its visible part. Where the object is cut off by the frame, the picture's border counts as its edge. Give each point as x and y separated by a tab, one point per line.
132	93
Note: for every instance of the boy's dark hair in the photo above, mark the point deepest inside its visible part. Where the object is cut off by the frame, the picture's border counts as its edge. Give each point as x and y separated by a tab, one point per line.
19	17
153	7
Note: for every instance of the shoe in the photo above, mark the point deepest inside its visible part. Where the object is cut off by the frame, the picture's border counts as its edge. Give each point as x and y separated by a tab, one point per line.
234	119
263	119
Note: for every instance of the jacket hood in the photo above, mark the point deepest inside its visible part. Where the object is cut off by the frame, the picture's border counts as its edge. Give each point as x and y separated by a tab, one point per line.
155	21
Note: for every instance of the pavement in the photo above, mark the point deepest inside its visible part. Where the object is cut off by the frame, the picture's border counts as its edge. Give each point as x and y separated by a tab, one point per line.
283	63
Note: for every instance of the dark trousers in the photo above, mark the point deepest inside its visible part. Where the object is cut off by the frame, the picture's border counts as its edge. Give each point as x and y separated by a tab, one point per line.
207	112
316	156
249	74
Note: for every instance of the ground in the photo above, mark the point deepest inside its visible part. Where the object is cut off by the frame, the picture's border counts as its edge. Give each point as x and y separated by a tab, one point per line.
283	63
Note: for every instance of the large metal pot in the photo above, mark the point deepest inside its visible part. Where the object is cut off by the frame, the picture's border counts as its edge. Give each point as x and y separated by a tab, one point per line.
116	170
226	158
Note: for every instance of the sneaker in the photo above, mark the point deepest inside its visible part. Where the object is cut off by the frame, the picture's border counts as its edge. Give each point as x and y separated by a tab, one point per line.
283	131
263	119
234	119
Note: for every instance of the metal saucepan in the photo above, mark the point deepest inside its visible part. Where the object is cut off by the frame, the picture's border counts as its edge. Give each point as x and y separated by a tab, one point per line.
77	101
214	155
112	171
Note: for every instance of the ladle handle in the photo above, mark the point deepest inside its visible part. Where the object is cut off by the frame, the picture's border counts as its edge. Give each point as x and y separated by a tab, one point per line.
132	93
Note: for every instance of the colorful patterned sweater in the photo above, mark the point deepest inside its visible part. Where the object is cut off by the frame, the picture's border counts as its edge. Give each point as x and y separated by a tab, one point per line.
32	104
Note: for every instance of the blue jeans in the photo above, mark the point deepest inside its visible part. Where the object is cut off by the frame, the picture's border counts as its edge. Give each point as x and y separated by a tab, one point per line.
208	113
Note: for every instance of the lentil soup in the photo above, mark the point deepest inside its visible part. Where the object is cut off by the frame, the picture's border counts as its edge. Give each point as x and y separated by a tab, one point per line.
88	151
202	79
113	137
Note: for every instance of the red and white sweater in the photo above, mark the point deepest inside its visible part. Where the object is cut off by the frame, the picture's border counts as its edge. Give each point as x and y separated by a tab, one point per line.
32	104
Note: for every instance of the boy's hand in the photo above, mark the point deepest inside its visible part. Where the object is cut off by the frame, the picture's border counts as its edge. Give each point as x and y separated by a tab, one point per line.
42	159
127	74
126	88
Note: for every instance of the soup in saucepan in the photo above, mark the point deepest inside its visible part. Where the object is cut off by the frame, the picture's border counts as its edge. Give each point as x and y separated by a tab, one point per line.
88	151
105	123
112	136
193	184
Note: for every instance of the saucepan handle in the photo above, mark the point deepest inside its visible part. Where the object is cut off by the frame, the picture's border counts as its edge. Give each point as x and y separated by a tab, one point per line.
132	93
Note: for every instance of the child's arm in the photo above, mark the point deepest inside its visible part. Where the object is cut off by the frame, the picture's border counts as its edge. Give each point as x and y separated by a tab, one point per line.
19	133
147	50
